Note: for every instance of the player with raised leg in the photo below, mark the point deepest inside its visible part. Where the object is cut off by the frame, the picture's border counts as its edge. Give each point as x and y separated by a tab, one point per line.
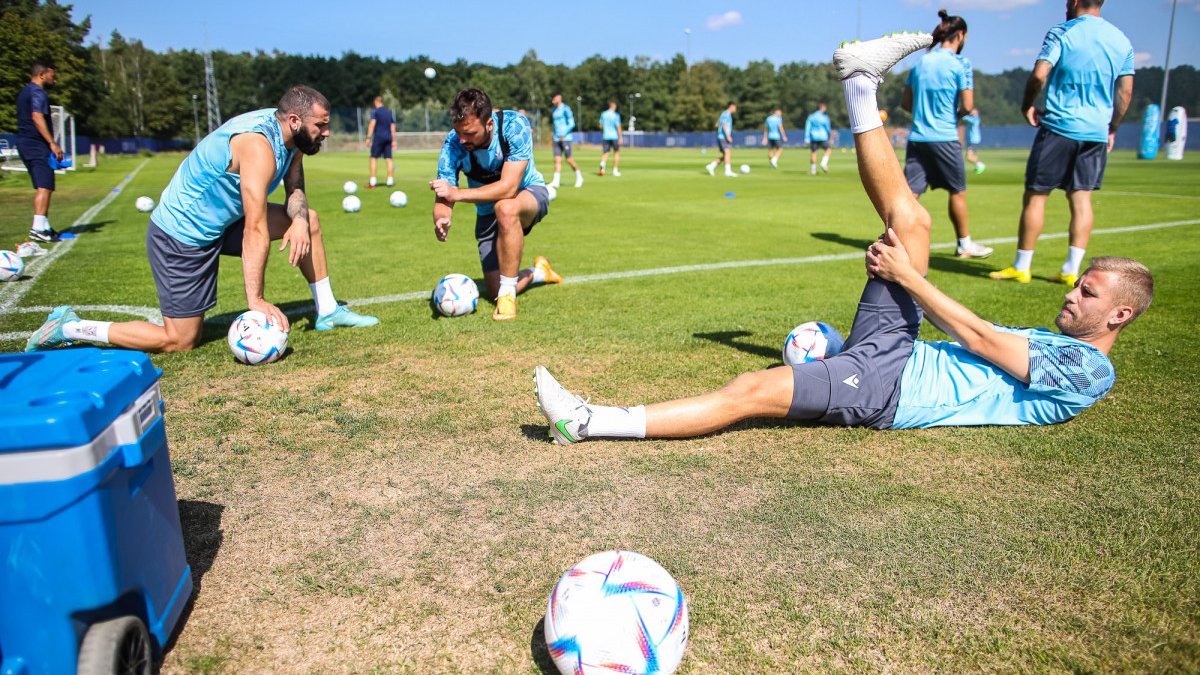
216	204
564	124
610	123
1086	67
774	136
885	377
817	131
724	141
494	148
939	85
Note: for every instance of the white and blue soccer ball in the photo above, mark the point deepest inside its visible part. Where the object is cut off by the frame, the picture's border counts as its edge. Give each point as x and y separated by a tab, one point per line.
351	204
398	199
254	340
811	341
11	266
456	295
616	612
350	187
745	168
144	204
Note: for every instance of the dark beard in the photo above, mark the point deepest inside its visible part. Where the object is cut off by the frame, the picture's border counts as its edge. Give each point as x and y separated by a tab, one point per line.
306	143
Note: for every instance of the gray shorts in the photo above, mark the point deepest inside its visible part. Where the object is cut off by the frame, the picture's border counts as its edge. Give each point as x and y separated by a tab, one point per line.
722	144
186	276
935	165
1057	162
860	387
562	148
486	228
612	145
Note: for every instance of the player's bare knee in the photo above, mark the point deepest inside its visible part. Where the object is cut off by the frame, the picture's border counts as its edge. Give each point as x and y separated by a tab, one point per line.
314	223
911	219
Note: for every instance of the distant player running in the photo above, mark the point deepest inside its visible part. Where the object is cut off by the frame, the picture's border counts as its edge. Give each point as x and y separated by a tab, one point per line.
610	124
885	378
564	125
817	132
494	148
724	141
1087	64
774	136
974	136
381	134
941	83
216	204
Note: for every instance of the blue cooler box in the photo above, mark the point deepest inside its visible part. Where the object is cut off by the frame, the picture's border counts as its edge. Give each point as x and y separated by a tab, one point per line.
89	525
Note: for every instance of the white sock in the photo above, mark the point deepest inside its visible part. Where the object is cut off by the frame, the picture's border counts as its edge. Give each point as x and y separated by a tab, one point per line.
728	170
602	165
322	294
537	275
1023	261
41	223
391	182
508	286
1074	260
557	176
824	161
713	165
812	168
615	422
860	91
965	242
91	331
372	181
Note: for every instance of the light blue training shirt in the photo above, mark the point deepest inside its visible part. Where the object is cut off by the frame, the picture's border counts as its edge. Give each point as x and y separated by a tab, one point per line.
203	199
1088	55
974	135
455	158
610	120
817	127
943	384
774	127
564	122
725	126
936	81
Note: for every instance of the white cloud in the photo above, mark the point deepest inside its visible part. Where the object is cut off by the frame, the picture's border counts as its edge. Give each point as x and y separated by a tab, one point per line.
980	5
1142	59
1023	51
722	21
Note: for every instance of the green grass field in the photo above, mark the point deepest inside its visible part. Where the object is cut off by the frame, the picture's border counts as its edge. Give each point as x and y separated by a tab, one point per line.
386	500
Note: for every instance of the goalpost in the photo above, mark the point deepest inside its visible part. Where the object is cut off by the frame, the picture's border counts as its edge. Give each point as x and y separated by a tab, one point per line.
62	127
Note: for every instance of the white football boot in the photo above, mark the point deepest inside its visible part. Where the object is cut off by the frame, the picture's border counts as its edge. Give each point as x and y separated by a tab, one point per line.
876	57
567	413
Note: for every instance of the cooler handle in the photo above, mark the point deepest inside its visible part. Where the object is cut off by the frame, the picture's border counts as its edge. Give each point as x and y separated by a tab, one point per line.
140	451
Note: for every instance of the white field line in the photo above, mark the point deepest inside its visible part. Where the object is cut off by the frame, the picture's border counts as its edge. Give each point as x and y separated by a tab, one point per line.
11	294
151	314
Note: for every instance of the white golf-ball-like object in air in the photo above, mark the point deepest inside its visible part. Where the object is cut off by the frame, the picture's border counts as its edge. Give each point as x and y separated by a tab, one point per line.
430	73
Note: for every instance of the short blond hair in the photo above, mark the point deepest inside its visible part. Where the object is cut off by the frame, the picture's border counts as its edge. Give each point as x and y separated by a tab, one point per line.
1135	284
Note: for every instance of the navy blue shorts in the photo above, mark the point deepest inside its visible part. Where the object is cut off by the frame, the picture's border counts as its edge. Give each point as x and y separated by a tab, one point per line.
860	387
611	145
381	148
36	157
773	143
186	276
1060	163
818	145
935	166
562	148
486	228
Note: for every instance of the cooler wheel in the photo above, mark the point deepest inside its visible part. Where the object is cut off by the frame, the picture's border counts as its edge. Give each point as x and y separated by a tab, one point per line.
118	646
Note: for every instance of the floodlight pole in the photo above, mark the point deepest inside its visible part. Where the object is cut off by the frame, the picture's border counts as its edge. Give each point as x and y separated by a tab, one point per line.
1162	108
196	118
632	120
687	55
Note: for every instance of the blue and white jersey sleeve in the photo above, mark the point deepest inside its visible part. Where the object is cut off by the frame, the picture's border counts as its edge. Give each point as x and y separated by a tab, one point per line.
1052	45
451	159
1074	373
966	78
40	103
519	136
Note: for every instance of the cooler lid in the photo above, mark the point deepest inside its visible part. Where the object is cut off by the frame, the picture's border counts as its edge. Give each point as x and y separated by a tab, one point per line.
67	397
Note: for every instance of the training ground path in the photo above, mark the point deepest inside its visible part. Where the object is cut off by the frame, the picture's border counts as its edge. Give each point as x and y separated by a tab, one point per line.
9	298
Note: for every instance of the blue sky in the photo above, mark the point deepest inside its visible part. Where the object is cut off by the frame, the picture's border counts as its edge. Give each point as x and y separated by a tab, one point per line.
1004	33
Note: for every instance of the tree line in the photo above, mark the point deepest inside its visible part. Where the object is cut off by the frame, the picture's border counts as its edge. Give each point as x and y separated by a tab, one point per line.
125	89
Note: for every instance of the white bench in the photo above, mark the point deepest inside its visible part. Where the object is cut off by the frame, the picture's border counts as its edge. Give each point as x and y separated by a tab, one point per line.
10	160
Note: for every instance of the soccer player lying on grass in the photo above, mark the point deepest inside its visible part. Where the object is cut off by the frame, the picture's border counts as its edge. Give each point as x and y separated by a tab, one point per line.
216	204
885	377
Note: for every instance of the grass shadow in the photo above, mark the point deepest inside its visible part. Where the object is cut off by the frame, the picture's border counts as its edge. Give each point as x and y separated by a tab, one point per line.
833	237
730	339
94	226
538	650
202	539
216	327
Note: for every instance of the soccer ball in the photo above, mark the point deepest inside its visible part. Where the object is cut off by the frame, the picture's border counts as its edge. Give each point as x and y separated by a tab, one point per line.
11	266
745	168
430	73
616	612
551	192
144	204
456	295
253	339
398	199
351	204
811	341
350	187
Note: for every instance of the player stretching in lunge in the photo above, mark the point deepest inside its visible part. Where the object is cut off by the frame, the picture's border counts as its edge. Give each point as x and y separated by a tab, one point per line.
1088	64
495	150
817	129
885	377
610	123
216	204
940	82
774	135
564	125
724	141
